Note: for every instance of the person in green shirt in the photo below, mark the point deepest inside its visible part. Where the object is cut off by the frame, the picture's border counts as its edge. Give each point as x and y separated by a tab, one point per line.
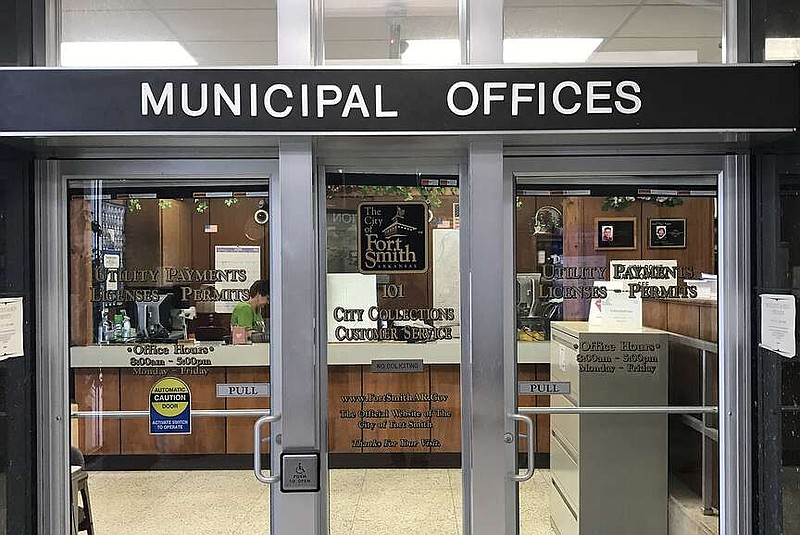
248	313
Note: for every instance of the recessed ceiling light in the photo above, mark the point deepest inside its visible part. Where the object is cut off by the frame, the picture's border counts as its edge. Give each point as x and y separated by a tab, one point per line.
781	48
432	52
125	54
549	49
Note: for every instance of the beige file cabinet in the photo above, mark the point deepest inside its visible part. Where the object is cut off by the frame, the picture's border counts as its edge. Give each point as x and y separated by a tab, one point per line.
609	471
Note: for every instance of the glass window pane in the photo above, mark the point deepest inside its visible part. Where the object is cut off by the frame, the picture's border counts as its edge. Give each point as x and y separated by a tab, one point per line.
379	32
394	396
616	307
169	316
137	33
612	32
781	30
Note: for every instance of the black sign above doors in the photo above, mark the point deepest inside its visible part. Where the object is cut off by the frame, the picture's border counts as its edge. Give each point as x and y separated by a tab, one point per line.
399	101
392	237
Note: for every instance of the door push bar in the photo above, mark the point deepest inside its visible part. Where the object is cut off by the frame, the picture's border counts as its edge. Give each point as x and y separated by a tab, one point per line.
691	409
274	478
531	436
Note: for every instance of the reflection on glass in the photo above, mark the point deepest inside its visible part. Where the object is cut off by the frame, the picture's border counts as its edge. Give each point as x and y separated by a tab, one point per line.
393	353
617	305
780	24
541	31
97	33
169	298
413	32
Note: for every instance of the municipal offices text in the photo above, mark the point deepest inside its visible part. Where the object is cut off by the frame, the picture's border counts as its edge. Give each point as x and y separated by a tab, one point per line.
461	99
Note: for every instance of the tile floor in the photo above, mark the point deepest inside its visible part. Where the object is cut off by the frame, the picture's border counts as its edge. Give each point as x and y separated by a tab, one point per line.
363	502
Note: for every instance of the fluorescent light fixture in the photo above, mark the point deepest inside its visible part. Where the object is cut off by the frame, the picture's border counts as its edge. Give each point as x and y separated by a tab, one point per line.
533	50
432	52
125	54
549	49
781	48
645	57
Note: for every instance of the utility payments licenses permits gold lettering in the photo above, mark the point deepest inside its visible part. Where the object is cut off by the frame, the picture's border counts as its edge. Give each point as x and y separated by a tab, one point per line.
392	237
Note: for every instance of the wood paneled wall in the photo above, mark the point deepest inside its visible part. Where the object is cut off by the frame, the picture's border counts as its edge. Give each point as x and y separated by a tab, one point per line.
156	237
579	214
119	389
80	274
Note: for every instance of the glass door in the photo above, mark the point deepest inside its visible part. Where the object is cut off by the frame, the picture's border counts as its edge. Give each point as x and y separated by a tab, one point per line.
169	292
617	361
393	353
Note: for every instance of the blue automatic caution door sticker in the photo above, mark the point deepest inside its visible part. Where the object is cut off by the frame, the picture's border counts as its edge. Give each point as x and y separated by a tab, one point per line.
170	407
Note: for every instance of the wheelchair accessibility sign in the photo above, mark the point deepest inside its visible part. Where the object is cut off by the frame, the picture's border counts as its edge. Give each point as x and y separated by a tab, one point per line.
170	407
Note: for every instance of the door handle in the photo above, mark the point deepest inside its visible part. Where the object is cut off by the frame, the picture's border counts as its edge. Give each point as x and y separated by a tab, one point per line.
531	436
275	477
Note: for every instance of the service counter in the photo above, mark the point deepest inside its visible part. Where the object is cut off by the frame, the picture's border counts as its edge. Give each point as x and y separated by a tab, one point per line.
342	354
119	377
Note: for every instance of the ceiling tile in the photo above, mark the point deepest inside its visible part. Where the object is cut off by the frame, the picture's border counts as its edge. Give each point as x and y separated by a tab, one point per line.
229	54
212	25
212	4
564	21
674	21
707	48
113	26
103	5
567	3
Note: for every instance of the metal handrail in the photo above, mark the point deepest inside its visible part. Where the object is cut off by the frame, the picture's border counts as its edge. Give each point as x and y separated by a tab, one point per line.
274	478
528	473
693	409
199	413
695	343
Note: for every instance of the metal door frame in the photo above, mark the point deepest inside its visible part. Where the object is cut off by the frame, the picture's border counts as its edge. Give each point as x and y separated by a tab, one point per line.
732	172
51	279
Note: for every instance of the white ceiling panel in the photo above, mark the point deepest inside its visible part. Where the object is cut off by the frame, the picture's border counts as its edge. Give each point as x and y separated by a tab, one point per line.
362	50
212	4
103	5
708	48
113	26
567	3
564	22
674	21
645	57
696	3
229	54
212	25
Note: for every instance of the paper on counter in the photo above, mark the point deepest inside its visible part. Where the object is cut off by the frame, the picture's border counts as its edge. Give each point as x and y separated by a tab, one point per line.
778	324
10	328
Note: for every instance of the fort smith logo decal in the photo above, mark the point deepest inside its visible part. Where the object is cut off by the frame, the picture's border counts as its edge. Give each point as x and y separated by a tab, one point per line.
392	237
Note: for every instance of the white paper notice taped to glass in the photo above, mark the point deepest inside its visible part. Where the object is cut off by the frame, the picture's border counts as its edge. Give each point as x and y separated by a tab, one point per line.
10	328
778	313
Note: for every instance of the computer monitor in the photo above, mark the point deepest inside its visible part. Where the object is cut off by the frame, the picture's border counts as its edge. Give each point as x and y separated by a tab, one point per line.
154	318
527	293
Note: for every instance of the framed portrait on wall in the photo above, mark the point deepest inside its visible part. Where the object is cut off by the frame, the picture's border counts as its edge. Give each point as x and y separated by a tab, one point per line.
667	233
615	233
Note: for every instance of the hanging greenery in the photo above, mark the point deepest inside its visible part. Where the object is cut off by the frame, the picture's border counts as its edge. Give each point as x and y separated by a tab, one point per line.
620	203
430	196
164	203
200	206
230	201
134	205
